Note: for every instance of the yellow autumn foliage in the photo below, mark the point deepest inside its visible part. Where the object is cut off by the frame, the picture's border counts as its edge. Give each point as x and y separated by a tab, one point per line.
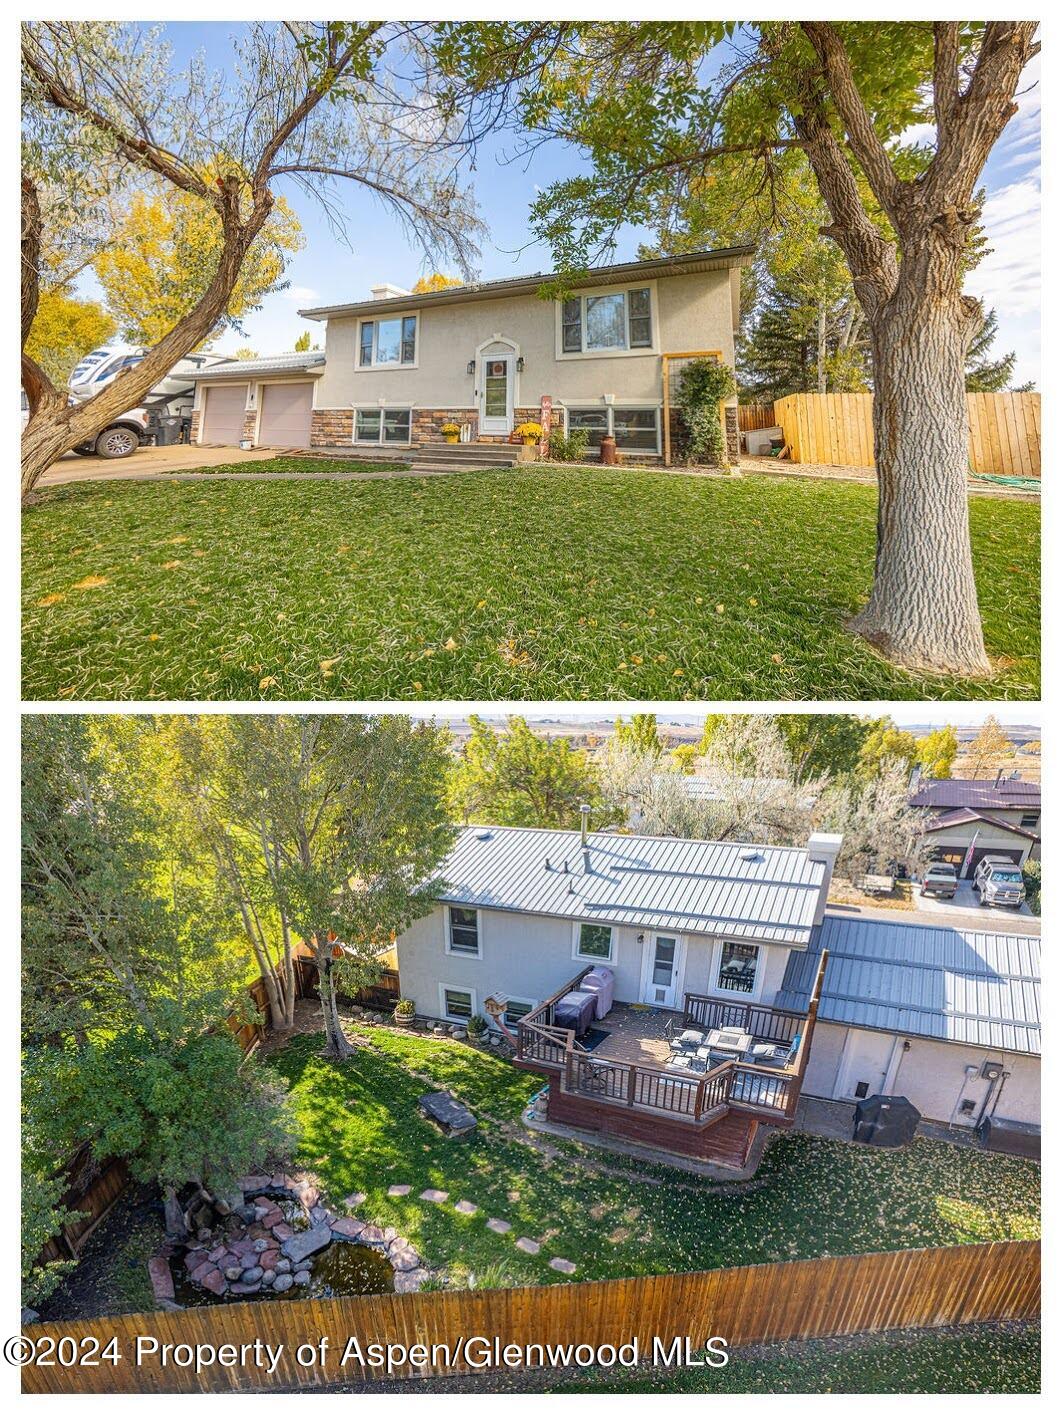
164	254
428	284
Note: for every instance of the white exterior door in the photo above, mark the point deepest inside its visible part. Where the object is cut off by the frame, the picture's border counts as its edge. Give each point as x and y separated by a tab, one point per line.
864	1064
496	396
660	980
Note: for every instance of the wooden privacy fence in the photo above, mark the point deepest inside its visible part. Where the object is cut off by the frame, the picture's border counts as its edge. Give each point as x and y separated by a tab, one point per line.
755	415
870	1292
837	428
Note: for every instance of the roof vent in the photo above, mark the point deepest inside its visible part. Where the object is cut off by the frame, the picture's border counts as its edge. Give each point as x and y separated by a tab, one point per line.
751	855
484	835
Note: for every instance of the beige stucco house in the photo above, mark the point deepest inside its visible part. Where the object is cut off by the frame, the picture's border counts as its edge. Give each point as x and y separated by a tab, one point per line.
995	816
487	356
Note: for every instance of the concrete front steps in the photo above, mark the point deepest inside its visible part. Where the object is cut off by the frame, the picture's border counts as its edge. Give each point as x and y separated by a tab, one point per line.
462	456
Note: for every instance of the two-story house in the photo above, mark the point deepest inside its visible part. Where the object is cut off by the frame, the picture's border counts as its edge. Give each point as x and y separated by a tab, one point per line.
682	994
487	356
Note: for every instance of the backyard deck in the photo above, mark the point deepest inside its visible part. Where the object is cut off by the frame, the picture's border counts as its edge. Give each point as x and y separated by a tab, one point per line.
623	1085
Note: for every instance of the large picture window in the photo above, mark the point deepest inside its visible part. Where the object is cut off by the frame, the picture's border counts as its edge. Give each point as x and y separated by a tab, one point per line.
635	429
383	425
737	967
388	343
613	321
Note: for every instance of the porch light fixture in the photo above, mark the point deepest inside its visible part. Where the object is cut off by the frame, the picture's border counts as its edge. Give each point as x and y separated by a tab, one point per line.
471	369
520	364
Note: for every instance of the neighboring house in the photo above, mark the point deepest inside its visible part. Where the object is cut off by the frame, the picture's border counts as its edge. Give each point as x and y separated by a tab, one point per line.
489	356
1000	816
715	936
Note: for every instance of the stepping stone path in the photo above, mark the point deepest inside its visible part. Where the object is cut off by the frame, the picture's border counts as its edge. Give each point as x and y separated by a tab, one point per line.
251	1250
528	1245
464	1207
435	1196
399	1191
498	1225
561	1265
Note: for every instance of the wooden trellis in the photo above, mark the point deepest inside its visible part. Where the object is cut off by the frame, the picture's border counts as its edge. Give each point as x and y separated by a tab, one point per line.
666	361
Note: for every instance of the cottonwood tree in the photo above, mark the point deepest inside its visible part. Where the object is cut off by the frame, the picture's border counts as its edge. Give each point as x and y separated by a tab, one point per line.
656	104
881	830
352	810
988	750
514	776
307	105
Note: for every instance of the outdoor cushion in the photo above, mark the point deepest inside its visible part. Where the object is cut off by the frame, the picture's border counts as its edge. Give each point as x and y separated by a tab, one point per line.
691	1038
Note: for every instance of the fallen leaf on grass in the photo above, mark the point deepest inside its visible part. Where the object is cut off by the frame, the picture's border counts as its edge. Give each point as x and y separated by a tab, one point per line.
327	665
451	644
172	565
264	683
90	582
50	599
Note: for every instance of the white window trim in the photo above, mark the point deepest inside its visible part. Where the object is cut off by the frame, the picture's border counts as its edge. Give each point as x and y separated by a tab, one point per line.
654	322
444	988
585	958
717	963
457	952
578	405
531	1002
380	408
376	320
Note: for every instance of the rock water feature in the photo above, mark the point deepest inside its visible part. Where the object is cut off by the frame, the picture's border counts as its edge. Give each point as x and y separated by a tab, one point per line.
280	1241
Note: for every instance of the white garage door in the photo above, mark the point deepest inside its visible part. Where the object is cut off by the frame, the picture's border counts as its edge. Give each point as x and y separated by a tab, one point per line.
285	415
223	419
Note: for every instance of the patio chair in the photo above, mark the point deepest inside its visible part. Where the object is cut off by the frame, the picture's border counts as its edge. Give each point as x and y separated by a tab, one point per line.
771	1054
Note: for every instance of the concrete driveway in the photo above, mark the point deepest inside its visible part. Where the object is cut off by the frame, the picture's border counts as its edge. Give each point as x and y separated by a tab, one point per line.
965	903
150	461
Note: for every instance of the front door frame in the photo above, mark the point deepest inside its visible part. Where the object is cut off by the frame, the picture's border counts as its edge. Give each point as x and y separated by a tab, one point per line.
649	957
510	353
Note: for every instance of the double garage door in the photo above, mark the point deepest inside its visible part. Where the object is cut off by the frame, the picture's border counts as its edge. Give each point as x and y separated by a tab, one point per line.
955	854
284	419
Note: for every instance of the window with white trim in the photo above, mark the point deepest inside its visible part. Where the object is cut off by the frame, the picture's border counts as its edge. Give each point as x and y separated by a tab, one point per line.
1030	820
613	320
635	429
738	963
462	935
458	1004
386	425
387	343
593	942
515	1008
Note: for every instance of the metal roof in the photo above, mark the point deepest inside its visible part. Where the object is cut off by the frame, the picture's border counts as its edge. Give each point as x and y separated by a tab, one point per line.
311	360
980	989
982	795
692	264
693	886
965	816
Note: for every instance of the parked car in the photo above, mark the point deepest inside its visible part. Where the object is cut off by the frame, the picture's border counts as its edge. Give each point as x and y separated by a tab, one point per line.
998	880
940	880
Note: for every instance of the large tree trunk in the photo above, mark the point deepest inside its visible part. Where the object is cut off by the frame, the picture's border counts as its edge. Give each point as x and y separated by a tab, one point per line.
923	609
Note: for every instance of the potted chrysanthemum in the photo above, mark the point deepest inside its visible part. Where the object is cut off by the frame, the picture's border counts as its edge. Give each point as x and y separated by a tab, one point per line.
451	431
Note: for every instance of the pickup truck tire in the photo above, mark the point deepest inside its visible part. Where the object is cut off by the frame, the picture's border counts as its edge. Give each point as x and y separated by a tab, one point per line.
115	442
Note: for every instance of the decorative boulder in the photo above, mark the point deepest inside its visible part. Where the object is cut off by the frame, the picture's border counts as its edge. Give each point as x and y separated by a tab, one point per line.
308	1242
283	1282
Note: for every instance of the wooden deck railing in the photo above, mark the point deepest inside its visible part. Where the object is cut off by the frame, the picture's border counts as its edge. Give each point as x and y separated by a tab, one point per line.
768	1092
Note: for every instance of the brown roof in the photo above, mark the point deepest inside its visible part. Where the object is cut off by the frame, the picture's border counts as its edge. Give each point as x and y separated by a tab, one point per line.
1006	794
965	816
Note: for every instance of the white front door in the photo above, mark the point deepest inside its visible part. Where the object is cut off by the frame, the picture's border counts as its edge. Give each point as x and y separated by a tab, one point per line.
864	1065
660	983
496	396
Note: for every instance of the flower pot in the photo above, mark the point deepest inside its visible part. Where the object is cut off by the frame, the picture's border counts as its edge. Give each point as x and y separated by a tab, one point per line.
530	441
404	1020
451	437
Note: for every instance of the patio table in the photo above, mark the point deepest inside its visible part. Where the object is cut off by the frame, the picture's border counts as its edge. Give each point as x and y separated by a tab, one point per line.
728	1039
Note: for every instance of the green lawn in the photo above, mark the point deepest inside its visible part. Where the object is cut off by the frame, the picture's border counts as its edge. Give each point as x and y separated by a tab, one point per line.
540	583
361	1131
288	465
1001	1361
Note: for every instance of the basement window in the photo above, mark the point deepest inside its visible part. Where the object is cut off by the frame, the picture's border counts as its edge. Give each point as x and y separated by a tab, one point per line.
635	429
458	1004
383	425
516	1008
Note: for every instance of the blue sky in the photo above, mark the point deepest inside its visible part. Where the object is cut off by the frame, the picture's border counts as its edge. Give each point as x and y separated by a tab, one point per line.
328	272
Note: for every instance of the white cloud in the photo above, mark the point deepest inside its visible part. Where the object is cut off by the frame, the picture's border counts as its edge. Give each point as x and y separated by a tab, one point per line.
299	294
1008	278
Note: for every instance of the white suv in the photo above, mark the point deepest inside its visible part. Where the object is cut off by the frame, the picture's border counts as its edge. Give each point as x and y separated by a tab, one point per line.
998	880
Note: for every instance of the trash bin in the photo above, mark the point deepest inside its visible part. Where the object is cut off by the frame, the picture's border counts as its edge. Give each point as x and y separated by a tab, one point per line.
887	1122
168	431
